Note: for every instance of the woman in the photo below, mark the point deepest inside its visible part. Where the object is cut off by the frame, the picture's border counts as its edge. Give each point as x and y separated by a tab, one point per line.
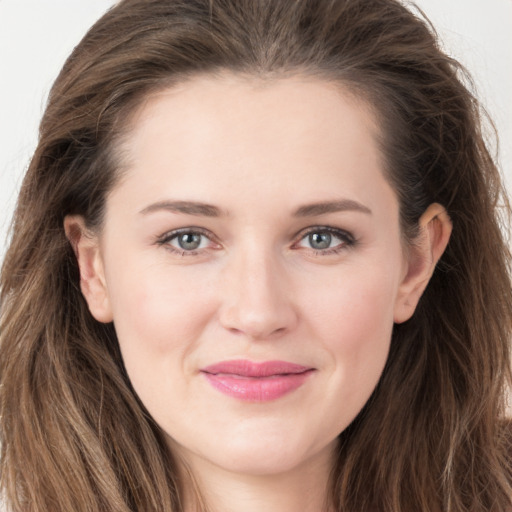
257	264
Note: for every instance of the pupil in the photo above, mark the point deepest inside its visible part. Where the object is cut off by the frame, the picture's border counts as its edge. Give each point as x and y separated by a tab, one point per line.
320	240
189	241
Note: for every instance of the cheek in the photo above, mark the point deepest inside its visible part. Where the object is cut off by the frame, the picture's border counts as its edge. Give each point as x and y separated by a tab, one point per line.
353	321
356	309
156	304
158	317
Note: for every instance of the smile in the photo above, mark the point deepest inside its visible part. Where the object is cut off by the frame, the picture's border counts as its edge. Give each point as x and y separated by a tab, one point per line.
256	382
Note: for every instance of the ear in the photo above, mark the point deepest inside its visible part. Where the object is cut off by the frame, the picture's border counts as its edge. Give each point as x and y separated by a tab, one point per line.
435	229
92	276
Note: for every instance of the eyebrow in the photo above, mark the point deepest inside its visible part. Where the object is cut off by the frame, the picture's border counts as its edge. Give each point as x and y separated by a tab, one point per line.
186	207
342	205
209	210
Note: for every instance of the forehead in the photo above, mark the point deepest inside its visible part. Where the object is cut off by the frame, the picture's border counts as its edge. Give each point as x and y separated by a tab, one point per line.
217	133
228	98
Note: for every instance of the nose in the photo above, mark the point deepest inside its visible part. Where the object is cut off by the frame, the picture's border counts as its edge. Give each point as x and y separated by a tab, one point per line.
257	297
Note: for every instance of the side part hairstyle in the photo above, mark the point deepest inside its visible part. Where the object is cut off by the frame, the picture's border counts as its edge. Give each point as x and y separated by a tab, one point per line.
434	435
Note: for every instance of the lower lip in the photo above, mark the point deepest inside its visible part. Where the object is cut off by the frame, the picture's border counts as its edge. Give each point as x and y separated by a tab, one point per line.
257	389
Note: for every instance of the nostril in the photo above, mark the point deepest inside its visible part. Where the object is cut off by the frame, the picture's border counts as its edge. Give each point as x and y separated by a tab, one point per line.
263	329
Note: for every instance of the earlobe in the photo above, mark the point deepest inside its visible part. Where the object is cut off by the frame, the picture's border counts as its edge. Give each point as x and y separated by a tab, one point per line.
435	229
92	276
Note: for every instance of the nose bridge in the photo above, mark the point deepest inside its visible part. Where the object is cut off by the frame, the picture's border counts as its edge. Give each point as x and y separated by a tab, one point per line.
256	294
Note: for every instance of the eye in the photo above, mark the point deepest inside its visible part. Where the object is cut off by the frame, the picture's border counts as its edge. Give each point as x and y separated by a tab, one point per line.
326	240
320	241
186	241
189	241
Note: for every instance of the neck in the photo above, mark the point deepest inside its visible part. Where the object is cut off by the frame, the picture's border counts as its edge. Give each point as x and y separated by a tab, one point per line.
303	488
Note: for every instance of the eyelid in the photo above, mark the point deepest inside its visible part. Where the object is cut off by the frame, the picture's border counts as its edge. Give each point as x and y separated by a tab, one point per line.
343	233
345	236
347	239
165	238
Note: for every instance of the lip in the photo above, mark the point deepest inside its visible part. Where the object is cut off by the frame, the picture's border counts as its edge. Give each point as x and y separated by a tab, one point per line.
256	382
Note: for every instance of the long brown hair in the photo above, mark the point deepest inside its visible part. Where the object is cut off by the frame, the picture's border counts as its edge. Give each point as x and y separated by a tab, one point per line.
433	436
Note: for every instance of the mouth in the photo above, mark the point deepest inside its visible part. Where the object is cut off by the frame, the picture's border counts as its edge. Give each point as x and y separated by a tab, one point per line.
256	382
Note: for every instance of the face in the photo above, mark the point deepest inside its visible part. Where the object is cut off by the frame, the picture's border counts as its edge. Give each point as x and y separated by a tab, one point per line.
252	262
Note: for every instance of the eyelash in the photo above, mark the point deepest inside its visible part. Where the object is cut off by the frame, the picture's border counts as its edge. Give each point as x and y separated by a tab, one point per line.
347	240
166	239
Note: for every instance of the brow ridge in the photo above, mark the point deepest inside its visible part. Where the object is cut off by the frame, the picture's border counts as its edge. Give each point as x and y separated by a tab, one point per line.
324	207
186	207
208	210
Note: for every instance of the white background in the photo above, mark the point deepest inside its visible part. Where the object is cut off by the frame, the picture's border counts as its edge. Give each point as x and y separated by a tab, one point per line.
37	35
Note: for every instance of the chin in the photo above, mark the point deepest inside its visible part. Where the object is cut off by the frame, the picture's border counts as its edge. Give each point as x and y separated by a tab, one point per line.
266	453
261	462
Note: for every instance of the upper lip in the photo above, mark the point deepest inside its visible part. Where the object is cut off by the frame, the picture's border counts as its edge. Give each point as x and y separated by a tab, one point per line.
245	368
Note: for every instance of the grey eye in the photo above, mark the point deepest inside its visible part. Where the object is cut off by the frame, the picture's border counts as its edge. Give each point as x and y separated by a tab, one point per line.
189	241
320	240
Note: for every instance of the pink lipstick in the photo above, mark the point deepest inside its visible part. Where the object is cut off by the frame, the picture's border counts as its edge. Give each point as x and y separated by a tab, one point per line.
256	382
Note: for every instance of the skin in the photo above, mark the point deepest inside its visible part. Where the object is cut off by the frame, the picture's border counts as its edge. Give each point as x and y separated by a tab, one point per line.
257	287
